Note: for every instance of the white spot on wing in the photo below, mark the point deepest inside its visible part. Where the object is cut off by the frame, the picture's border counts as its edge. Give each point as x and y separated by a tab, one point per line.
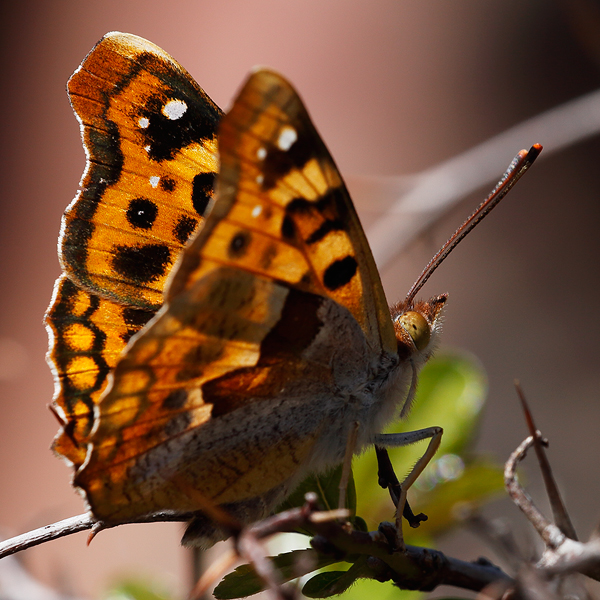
287	136
147	148
259	179
261	153
174	109
154	180
144	122
256	210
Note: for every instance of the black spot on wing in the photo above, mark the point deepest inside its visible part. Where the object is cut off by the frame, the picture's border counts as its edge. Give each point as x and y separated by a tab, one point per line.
340	272
329	212
141	264
327	227
175	400
202	191
167	184
164	136
135	319
142	213
288	229
184	228
239	244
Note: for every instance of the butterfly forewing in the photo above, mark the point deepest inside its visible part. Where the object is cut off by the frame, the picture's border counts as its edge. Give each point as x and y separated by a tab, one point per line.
284	211
234	336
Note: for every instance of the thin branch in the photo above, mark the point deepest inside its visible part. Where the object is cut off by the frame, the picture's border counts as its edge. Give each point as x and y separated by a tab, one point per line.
75	525
562	554
559	511
550	533
46	534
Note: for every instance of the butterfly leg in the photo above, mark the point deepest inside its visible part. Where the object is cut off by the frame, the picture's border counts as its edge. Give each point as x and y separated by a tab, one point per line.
388	480
434	434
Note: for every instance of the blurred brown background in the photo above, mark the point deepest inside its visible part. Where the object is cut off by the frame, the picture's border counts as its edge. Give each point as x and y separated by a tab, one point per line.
394	87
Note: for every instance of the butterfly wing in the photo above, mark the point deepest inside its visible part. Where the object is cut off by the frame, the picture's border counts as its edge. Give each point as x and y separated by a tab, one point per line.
87	335
284	211
149	133
225	390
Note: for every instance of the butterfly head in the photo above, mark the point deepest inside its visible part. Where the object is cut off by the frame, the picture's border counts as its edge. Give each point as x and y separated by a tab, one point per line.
417	325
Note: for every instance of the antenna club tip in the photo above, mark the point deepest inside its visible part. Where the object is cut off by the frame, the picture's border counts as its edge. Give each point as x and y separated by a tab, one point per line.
534	152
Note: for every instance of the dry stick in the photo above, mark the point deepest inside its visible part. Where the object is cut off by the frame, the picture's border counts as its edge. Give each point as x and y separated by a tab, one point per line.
562	555
550	533
75	525
561	516
45	534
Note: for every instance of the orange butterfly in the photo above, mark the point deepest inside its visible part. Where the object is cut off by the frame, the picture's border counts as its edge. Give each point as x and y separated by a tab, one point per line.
274	336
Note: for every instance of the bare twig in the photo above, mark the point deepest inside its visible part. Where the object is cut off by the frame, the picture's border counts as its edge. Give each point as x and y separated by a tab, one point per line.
559	511
45	534
562	555
415	568
551	535
75	525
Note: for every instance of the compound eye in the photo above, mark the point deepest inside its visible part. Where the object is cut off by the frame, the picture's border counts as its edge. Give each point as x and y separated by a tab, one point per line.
417	327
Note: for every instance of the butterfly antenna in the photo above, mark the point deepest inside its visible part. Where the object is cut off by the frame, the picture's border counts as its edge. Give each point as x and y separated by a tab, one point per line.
520	163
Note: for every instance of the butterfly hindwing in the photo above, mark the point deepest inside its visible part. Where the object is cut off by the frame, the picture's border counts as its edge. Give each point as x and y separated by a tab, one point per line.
278	282
88	334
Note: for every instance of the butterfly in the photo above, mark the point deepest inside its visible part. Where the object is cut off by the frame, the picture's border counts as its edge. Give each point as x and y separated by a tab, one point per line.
215	345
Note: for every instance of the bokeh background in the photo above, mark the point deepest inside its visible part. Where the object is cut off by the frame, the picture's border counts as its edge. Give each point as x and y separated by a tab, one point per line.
394	87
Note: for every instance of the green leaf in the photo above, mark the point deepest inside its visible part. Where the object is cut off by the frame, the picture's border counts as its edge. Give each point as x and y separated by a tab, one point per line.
331	583
327	584
366	589
244	581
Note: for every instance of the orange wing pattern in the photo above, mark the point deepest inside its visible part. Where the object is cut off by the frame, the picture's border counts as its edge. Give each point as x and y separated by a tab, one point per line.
236	339
284	211
149	132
